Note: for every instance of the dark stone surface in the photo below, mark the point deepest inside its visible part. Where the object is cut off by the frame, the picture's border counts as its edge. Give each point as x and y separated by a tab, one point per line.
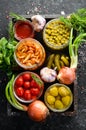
13	120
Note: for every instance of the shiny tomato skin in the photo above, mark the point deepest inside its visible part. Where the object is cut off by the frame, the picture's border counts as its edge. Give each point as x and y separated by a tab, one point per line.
27	95
35	91
34	84
33	97
26	84
19	91
19	81
26	77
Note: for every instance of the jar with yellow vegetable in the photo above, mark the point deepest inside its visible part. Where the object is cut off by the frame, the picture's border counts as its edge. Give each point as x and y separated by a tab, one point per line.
58	97
56	34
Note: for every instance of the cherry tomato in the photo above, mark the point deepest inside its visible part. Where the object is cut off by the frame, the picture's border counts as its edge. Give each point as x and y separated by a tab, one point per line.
26	84
35	91
26	77
19	91
19	81
27	95
34	84
33	97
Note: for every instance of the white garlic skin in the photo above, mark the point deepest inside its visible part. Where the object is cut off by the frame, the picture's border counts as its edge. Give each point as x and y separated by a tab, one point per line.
38	22
48	75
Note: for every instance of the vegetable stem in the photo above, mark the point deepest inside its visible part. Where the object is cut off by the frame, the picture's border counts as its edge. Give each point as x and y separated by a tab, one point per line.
73	48
16	16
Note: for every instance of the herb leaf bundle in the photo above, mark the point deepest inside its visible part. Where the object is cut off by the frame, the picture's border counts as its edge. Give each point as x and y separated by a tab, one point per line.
77	20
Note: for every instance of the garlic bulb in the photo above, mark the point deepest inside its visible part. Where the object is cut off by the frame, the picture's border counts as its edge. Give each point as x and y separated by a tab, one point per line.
48	75
38	22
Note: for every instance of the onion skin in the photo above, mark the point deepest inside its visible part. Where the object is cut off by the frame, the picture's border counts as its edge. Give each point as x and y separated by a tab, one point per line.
66	75
37	111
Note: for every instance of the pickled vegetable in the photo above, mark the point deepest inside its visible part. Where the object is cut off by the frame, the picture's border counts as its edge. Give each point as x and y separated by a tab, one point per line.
54	91
57	61
50	60
63	91
66	100
65	60
59	104
50	99
57	33
58	97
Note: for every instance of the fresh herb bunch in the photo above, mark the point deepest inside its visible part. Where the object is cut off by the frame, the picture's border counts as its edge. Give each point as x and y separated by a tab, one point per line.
76	20
6	55
7	47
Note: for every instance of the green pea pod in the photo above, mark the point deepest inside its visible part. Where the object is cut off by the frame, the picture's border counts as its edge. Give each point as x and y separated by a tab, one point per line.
50	60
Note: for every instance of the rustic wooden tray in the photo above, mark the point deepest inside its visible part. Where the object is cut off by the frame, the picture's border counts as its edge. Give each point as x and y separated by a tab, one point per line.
72	111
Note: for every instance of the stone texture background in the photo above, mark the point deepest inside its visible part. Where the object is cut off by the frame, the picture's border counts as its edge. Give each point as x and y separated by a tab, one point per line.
9	118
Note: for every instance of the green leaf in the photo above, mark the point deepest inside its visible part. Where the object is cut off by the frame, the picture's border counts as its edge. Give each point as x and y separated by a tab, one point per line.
37	79
16	16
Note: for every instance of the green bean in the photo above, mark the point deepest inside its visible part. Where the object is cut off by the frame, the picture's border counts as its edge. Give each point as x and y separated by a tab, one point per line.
7	94
10	96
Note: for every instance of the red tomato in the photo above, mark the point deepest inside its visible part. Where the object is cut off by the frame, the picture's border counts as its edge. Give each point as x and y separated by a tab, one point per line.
19	81
33	97
35	91
34	84
26	84
20	91
26	77
27	95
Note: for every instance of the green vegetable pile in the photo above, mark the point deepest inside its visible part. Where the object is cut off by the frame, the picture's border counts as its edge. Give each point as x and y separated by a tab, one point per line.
6	55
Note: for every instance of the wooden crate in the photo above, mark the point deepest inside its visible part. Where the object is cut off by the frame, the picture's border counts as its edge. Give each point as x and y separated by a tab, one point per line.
72	111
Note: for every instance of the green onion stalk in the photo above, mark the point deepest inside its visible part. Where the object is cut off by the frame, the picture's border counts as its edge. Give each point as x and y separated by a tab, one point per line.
67	75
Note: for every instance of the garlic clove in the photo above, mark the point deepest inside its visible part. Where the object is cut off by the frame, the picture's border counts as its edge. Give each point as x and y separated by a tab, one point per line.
48	75
38	22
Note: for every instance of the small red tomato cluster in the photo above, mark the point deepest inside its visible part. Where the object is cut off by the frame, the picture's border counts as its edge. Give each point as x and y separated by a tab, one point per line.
26	87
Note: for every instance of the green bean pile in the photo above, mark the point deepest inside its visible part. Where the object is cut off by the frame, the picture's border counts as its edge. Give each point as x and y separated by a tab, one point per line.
57	33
